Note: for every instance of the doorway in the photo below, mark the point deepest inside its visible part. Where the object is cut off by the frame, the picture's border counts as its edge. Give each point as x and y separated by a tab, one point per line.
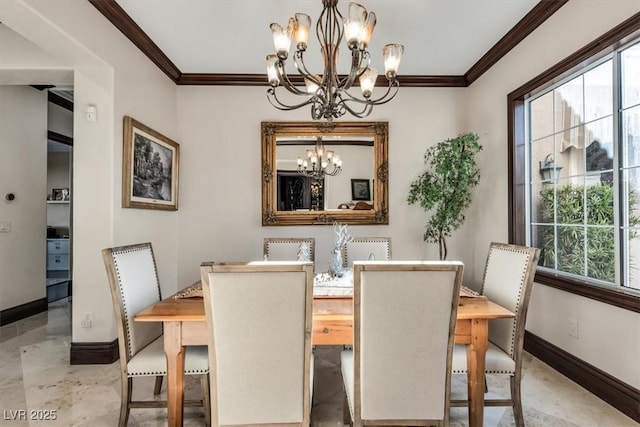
59	192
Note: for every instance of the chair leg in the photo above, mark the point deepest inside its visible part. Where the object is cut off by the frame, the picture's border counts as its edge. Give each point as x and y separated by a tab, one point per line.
206	399
158	386
346	412
517	401
125	400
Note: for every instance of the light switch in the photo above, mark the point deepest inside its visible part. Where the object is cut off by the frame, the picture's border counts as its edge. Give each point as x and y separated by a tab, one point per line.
5	226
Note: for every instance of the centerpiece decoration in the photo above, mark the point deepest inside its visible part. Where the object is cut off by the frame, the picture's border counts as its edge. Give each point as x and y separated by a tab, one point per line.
342	238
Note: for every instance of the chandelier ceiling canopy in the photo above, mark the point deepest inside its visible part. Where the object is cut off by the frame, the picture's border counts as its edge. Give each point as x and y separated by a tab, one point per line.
328	94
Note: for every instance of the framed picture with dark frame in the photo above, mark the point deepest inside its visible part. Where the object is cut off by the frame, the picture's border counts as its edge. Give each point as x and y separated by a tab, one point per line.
360	189
57	195
149	168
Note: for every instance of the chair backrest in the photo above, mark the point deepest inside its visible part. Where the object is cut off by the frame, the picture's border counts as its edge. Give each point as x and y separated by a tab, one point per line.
289	248
404	323
134	284
366	249
508	279
259	319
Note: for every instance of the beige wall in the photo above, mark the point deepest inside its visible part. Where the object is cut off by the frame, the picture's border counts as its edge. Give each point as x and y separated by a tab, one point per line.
220	199
23	144
601	339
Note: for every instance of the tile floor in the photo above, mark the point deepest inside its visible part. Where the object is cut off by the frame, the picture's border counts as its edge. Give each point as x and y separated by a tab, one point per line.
35	375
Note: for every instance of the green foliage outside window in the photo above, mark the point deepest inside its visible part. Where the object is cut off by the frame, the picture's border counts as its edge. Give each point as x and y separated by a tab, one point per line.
600	238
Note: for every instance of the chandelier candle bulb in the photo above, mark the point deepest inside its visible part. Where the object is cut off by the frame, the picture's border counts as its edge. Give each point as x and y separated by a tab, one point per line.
392	54
281	40
303	24
368	81
272	72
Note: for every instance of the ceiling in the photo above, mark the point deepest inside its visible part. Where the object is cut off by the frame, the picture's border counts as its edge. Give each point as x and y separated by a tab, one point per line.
447	42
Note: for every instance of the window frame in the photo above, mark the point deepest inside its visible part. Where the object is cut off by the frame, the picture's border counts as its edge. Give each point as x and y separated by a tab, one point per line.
518	167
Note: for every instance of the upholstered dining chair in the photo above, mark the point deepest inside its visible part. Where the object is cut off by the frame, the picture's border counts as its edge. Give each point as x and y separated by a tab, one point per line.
134	285
366	249
508	279
289	249
259	322
399	370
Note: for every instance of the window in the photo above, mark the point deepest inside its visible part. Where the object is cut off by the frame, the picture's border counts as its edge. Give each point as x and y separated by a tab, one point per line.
581	223
575	169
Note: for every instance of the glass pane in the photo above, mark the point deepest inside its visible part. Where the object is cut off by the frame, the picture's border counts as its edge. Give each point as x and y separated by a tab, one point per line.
570	243
598	92
600	204
541	114
568	105
630	70
631	136
631	204
542	155
632	260
542	202
601	253
570	138
570	201
599	151
543	237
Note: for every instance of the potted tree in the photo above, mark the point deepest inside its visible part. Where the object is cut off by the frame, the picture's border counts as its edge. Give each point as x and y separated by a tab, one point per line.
443	190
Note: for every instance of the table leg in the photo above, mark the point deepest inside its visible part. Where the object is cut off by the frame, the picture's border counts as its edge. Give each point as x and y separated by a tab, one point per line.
476	352
175	372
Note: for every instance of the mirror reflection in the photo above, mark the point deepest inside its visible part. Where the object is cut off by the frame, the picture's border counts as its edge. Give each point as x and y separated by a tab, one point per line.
317	173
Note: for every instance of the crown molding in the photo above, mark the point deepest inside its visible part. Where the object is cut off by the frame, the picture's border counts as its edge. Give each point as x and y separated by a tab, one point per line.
127	26
119	18
532	20
213	79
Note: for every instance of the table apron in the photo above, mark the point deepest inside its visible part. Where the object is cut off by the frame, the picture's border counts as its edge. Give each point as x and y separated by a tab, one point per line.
330	332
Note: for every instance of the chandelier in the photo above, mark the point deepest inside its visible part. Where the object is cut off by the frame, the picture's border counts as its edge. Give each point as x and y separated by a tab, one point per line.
328	94
319	162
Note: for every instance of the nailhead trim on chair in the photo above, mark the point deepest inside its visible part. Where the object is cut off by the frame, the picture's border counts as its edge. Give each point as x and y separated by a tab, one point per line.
122	298
459	371
155	373
515	322
276	240
386	240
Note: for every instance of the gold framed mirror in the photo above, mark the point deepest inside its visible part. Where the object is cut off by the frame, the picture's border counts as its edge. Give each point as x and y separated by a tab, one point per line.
351	188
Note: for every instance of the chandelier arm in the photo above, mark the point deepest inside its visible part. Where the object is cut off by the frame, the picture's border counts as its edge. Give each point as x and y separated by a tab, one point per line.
271	96
366	109
393	86
391	89
357	68
287	84
302	68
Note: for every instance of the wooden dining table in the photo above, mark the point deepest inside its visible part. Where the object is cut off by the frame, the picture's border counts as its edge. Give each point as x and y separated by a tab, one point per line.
185	324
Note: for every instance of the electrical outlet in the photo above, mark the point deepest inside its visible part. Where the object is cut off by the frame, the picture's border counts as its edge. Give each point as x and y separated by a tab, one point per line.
87	319
573	328
5	227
